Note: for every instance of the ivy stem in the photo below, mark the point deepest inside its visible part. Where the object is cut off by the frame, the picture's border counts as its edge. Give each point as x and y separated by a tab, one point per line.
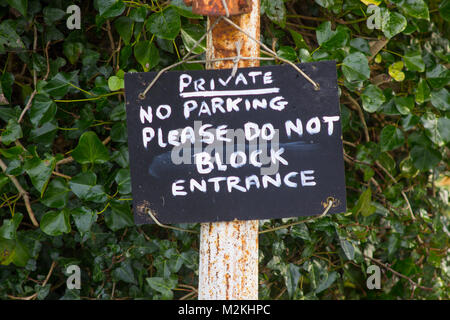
300	26
397	54
23	193
82	90
305	17
91	99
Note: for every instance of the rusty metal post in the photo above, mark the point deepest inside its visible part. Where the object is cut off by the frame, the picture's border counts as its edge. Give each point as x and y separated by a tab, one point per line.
215	8
229	250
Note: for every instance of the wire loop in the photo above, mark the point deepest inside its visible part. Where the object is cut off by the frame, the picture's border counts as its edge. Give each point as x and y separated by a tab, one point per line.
150	213
324	213
235	59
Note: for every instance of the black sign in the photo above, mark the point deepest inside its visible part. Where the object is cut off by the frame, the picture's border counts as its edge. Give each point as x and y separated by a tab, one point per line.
208	146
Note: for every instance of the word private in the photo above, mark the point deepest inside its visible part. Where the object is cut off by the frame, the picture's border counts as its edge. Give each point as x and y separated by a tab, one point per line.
216	88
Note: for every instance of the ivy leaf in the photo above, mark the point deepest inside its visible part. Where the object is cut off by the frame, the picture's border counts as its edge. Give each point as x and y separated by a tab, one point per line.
72	50
372	98
45	134
84	218
298	39
444	10
19	5
9	226
12	153
119	132
395	71
422	92
42	110
125	273
165	24
40	172
7	251
443	127
374	2
13	251
90	149
124	27
364	204
414	62
163	286
146	54
287	53
6	83
85	187
323	32
51	15
407	168
387	162
392	23
425	158
12	132
348	248
118	113
333	5
42	291
115	83
329	39
441	99
123	181
119	216
9	37
361	45
56	195
55	223
292	278
415	8
327	280
190	34
184	10
138	14
404	105
438	77
391	138
15	168
121	157
430	123
110	8
356	67
59	85
275	11
21	254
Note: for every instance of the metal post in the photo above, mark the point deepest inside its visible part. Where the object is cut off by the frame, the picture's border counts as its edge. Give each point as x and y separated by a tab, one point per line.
229	250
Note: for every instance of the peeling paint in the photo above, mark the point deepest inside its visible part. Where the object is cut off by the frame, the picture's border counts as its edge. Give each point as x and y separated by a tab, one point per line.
229	250
216	8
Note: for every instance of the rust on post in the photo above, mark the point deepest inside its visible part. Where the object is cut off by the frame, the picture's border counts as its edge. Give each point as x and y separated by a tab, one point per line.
229	250
216	8
222	43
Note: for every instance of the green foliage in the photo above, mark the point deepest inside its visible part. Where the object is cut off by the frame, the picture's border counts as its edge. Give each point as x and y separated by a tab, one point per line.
372	98
355	67
165	24
54	223
90	149
69	151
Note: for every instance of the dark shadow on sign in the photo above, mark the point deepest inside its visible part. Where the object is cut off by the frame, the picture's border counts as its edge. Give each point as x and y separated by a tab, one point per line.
162	165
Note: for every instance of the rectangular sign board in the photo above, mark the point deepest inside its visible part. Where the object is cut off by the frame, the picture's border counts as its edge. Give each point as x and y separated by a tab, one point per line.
206	146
